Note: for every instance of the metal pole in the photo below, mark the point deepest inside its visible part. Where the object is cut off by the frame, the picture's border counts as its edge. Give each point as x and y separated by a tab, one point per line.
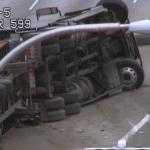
112	27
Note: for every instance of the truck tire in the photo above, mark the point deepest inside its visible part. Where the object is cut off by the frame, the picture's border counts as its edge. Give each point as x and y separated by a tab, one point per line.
55	116
85	89
131	73
80	91
90	86
73	96
118	7
73	109
54	103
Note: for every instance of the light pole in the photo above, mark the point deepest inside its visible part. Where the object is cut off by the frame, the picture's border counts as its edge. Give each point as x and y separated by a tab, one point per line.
140	26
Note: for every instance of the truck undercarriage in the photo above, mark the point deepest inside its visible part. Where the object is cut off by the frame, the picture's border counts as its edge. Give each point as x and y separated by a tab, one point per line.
54	78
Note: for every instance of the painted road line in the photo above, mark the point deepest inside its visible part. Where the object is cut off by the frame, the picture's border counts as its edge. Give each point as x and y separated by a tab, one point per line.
33	5
134	130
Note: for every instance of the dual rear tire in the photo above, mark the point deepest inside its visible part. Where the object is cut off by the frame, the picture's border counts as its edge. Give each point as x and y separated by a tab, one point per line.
52	109
56	109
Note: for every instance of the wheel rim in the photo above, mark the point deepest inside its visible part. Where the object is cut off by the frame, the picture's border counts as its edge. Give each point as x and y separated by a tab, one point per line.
129	76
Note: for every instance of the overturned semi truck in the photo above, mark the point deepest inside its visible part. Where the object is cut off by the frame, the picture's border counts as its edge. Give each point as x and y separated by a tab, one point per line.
78	59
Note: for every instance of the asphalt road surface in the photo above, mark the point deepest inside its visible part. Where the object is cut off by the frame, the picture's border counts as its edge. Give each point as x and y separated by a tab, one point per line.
98	125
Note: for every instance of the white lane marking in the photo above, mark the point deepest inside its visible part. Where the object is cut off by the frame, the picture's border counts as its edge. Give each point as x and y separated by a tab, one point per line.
33	5
136	128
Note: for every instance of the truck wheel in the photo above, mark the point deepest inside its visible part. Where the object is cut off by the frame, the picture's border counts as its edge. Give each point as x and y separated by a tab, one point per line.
54	103
79	90
73	109
91	88
118	7
85	89
131	73
54	116
73	96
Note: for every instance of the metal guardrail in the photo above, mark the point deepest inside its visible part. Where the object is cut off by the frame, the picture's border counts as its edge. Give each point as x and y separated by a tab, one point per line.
112	27
140	26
